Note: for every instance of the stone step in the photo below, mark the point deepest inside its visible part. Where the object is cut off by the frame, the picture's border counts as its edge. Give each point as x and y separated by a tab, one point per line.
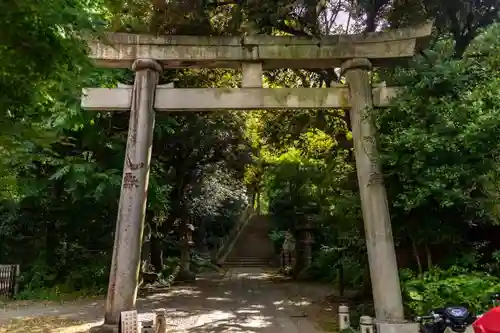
260	251
246	264
248	259
246	256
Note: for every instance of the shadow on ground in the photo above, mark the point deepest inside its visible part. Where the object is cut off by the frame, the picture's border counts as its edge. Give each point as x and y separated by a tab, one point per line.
241	300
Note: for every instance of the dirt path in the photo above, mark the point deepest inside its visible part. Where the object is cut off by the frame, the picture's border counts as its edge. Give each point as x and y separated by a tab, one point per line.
241	300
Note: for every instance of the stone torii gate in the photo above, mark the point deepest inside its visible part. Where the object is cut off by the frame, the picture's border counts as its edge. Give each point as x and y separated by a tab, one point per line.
148	55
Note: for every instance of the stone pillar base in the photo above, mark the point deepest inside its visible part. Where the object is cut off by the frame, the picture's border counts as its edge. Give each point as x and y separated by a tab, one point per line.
398	328
105	328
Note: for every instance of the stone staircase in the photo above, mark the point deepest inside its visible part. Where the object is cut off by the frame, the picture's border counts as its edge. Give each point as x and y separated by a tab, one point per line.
253	248
246	262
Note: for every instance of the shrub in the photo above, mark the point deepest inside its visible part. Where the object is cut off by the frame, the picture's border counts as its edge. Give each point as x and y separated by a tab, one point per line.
454	286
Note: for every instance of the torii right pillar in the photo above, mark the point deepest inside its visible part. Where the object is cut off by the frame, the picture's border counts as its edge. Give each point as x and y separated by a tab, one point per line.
378	231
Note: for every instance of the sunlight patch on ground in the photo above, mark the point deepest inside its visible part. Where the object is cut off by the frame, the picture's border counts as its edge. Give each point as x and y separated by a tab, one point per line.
174	293
176	313
218	299
245	302
246	311
219	321
256	322
254	276
214	316
292	303
184	291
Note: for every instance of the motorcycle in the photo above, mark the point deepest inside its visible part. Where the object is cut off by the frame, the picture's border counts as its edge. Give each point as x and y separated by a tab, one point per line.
489	322
440	320
458	319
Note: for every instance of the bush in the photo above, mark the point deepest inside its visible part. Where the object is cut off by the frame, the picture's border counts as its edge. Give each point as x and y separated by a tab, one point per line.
277	237
327	264
170	264
454	286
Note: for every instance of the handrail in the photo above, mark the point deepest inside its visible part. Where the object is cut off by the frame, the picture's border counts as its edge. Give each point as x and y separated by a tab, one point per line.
230	240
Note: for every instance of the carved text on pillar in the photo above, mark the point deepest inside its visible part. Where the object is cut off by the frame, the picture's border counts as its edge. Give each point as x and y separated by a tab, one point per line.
134	166
130	181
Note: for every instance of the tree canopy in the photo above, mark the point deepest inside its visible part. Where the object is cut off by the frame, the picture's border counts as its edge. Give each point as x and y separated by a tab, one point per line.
60	167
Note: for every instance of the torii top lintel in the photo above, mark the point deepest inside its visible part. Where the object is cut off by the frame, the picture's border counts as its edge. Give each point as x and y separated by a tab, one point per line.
119	50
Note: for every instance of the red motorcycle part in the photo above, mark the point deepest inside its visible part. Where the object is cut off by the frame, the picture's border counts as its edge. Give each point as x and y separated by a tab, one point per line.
488	322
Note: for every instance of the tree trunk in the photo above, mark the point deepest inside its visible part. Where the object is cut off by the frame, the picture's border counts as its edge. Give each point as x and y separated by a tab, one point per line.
428	255
417	256
341	274
461	45
156	253
52	239
146	250
185	265
257	198
146	241
185	273
252	199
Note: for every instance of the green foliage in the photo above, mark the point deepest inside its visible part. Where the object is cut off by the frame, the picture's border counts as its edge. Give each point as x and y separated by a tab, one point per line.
169	267
439	149
277	236
43	57
60	167
333	265
57	293
438	138
310	176
454	286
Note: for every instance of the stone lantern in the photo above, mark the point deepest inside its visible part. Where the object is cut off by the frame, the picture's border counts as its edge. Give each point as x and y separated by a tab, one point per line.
187	237
308	240
186	243
304	245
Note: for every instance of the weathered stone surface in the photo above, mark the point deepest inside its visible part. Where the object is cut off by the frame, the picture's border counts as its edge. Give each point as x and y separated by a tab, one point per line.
115	99
125	263
160	321
119	50
251	73
201	99
378	232
398	328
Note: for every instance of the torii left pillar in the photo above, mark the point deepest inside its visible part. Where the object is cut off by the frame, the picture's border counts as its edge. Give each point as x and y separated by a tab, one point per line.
125	264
